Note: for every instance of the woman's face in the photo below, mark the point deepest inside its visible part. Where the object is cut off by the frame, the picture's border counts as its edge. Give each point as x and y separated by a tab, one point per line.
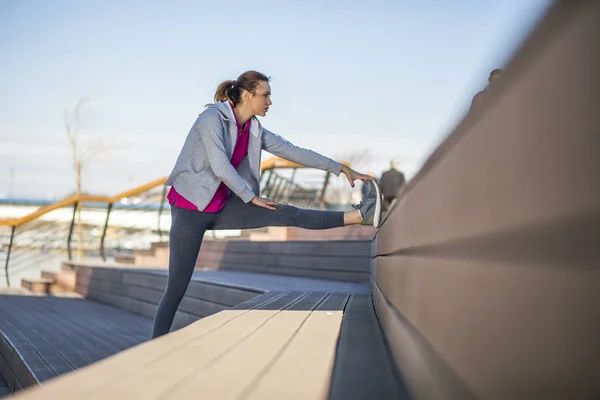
261	99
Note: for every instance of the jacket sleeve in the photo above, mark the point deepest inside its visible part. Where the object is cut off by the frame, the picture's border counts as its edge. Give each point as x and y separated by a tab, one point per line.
278	146
211	131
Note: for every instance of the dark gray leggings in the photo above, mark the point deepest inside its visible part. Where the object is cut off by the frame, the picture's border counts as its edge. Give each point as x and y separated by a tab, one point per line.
188	228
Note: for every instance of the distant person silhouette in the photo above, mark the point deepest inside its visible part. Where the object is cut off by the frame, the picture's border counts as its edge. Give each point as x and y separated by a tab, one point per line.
391	181
494	76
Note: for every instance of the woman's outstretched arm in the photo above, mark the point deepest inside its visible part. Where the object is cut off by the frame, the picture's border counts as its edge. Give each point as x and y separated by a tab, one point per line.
278	146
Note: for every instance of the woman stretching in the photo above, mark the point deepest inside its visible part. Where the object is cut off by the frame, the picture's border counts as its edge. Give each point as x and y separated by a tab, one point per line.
215	183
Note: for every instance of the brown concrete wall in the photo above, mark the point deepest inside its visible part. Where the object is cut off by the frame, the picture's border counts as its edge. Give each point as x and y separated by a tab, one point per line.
487	279
344	260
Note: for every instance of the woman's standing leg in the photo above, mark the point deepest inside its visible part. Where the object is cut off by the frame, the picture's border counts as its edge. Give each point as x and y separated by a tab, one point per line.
185	238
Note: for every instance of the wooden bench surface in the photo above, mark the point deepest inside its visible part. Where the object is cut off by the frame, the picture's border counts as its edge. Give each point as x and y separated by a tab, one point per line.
282	344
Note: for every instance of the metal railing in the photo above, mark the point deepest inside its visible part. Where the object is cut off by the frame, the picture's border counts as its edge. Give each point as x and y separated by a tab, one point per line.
50	230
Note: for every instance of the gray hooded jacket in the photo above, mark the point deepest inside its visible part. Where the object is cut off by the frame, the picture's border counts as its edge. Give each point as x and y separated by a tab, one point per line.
204	161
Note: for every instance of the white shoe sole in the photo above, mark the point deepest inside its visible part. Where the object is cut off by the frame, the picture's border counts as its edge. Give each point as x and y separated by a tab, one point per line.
377	216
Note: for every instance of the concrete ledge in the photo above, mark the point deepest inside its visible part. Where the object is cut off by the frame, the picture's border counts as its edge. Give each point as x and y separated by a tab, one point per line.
209	292
140	292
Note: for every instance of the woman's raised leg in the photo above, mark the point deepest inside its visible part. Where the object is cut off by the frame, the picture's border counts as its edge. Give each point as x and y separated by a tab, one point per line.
240	215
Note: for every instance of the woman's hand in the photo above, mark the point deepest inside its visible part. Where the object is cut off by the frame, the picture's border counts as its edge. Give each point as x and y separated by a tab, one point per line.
352	175
265	203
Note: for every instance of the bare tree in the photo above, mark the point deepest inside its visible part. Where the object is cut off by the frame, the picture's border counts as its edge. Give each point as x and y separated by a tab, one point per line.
81	156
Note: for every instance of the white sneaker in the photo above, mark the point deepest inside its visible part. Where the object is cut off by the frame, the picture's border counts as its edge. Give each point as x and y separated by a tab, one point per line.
370	205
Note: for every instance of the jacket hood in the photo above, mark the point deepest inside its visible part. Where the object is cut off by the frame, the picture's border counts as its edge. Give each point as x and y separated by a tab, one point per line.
224	109
226	113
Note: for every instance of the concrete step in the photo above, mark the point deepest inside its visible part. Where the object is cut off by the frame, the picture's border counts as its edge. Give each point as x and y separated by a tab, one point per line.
51	282
128	258
64	281
37	285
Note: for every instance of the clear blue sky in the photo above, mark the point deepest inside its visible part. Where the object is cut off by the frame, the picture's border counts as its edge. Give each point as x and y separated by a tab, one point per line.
392	77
